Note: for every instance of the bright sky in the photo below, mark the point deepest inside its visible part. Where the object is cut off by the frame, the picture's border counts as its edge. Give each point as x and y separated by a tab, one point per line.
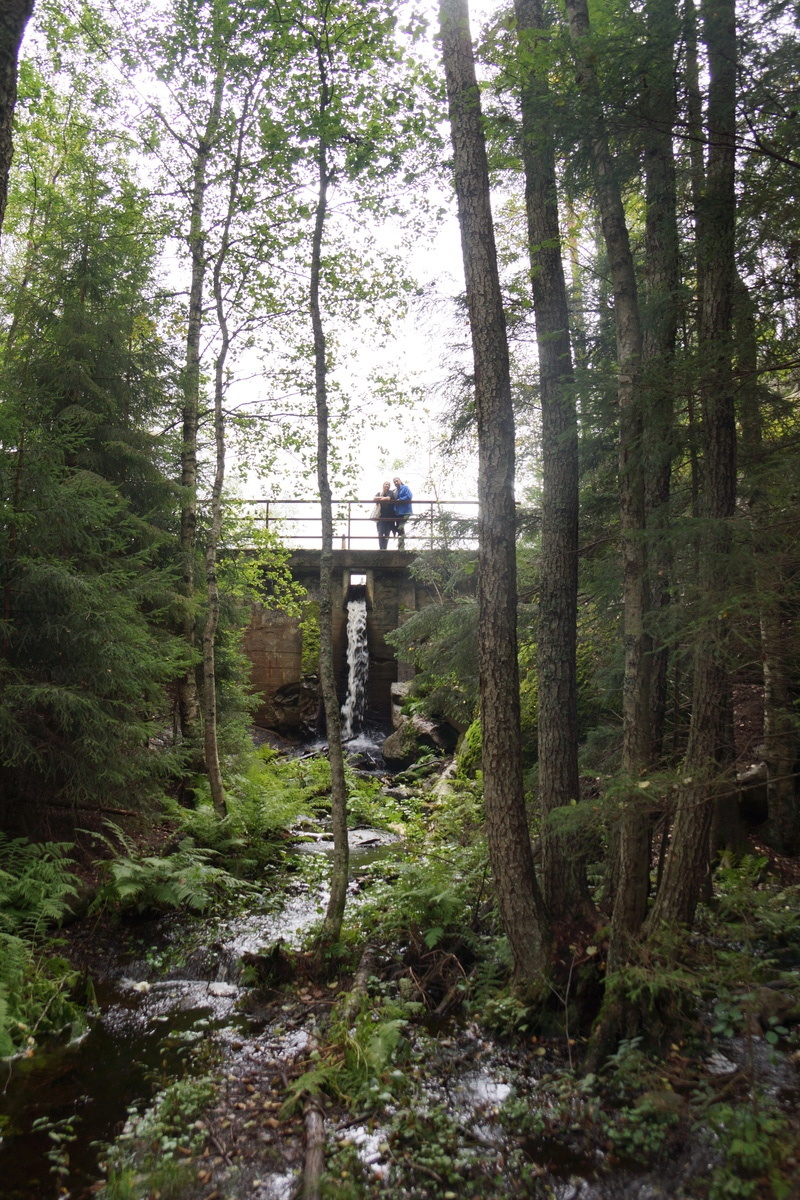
427	344
407	440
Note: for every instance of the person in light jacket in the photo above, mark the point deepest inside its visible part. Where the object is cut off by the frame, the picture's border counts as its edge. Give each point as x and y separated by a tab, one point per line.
385	522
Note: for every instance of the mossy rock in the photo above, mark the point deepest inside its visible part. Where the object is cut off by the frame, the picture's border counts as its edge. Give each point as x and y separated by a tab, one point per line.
470	752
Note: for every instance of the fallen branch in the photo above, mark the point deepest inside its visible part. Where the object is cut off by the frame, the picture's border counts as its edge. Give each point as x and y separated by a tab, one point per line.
98	808
360	981
314	1122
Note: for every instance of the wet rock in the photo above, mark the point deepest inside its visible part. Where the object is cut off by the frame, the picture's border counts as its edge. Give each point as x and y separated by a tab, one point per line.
414	737
776	1007
296	706
399	694
268	737
273	967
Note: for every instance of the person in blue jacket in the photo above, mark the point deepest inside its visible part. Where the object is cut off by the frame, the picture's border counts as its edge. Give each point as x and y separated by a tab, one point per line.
402	509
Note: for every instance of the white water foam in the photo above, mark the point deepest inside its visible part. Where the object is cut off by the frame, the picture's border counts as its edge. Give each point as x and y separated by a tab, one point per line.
357	668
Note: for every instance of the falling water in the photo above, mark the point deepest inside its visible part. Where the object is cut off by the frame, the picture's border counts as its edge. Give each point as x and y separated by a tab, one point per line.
357	668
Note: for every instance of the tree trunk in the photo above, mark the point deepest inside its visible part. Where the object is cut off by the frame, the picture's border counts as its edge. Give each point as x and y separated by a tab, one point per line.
707	751
333	720
634	831
659	337
563	871
188	699
777	621
210	741
14	16
519	900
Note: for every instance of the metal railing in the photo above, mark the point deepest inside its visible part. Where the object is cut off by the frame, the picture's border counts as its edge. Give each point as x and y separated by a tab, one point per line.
433	523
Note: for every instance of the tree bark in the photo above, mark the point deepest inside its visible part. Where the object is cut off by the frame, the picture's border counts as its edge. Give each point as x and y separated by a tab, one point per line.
707	750
563	871
517	888
777	621
340	867
210	741
188	699
634	829
659	338
14	16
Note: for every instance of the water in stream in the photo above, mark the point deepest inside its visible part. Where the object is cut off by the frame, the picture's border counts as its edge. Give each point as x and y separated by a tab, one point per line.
146	1021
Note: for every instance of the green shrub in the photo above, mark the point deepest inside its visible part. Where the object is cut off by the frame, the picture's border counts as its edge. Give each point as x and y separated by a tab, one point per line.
754	1143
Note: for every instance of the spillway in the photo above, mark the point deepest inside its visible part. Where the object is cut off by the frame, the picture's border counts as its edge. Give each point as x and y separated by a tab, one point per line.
357	668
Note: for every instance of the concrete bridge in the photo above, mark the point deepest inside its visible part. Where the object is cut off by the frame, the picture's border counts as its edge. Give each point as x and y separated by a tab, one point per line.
273	640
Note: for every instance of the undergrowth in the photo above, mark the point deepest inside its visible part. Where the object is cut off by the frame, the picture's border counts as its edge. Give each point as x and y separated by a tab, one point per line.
36	885
187	878
156	1146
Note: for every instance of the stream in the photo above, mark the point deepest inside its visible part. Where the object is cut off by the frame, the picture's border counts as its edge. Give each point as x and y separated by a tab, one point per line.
157	1022
147	1018
175	1002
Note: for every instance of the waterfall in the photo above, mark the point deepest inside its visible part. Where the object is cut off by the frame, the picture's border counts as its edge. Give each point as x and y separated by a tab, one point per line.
357	668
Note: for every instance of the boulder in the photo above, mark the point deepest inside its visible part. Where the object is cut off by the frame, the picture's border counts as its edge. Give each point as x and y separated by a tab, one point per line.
296	706
399	694
415	736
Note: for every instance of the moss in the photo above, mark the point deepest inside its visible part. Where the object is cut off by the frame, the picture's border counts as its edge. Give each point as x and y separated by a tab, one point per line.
470	752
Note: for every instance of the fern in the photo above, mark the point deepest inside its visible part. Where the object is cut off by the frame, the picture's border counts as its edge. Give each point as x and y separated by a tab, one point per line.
186	879
34	994
35	884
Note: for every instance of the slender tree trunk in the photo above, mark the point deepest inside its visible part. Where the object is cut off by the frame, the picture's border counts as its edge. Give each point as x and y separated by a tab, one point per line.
694	120
634	837
777	620
707	751
333	720
576	294
563	871
188	699
517	889
659	338
14	16
210	741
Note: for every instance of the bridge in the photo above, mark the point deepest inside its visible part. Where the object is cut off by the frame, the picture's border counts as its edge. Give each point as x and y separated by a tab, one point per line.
298	522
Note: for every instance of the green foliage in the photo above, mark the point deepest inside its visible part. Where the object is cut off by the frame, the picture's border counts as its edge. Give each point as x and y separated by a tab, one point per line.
146	1154
61	1134
86	383
595	646
754	1141
362	1050
747	897
431	898
264	799
36	885
186	878
35	994
440	638
309	632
